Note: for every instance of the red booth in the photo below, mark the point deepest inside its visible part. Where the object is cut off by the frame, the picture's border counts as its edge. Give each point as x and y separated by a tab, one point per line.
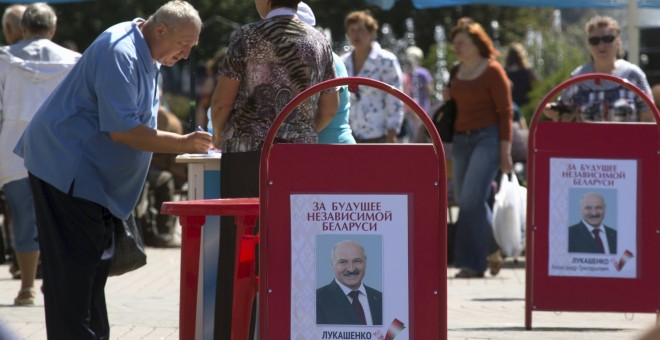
192	216
569	165
389	198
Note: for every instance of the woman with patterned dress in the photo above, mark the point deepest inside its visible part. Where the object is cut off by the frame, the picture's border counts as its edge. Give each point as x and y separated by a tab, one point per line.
268	63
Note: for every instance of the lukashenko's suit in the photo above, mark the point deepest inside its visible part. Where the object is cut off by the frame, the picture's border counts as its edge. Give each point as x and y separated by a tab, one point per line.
581	240
334	308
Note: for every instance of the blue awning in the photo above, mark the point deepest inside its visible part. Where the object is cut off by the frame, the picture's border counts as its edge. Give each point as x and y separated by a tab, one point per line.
384	4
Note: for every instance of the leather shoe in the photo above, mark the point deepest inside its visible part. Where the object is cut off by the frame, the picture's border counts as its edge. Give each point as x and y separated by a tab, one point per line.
495	262
467	273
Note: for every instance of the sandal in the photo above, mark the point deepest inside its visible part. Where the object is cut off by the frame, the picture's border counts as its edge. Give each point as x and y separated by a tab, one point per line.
25	297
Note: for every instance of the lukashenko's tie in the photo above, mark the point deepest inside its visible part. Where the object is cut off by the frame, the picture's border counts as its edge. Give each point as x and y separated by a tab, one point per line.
599	242
358	306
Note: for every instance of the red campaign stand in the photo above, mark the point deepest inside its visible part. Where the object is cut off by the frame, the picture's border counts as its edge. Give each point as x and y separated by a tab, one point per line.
390	198
593	172
245	282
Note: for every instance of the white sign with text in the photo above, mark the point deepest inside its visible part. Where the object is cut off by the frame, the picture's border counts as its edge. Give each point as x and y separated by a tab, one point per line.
367	237
590	197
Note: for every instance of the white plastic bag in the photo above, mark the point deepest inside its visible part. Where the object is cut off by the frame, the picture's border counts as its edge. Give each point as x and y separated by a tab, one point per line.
509	214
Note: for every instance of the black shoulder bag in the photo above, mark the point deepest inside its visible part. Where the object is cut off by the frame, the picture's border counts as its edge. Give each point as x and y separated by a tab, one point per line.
445	116
129	250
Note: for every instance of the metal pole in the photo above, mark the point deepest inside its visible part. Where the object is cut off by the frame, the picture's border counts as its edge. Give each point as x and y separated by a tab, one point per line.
633	32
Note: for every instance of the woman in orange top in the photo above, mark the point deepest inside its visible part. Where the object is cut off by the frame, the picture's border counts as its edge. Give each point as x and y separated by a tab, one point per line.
481	144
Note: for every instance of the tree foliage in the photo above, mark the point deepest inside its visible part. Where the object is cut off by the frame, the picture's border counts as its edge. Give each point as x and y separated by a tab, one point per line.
81	22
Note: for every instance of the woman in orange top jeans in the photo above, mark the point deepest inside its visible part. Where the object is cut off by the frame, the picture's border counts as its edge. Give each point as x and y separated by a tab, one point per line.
481	145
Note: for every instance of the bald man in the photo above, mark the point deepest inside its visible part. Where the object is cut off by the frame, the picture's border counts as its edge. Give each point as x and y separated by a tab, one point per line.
97	132
11	23
336	302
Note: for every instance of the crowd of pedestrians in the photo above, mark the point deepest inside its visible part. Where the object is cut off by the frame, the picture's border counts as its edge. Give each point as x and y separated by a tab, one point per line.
78	131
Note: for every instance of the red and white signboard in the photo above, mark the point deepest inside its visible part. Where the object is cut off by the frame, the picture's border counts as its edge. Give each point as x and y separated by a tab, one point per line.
593	219
368	219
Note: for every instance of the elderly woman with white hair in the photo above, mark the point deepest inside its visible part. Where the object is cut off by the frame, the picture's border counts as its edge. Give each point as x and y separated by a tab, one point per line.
418	84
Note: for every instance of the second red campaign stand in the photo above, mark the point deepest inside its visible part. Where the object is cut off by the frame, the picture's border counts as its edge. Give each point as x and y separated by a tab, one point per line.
617	162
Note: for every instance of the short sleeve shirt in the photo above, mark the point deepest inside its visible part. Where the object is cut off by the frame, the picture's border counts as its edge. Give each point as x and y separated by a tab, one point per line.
274	59
67	144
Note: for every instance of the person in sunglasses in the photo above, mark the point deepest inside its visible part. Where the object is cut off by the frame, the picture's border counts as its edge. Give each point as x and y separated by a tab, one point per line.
607	101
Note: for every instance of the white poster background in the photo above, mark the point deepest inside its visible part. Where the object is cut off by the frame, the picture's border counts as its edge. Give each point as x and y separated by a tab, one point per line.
616	182
313	218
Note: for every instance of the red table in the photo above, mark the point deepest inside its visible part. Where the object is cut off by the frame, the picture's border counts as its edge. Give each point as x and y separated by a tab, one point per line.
192	215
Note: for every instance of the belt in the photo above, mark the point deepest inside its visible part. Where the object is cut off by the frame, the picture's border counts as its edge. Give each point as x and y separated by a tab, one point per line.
469	132
381	139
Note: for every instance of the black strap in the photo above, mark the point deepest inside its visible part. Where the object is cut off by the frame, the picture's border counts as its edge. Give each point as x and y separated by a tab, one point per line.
452	74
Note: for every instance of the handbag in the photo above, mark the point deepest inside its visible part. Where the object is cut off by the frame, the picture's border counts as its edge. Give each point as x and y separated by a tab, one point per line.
129	251
444	119
518	146
445	116
509	214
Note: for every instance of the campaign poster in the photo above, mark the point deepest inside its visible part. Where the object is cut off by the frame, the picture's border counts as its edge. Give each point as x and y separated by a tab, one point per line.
593	218
349	266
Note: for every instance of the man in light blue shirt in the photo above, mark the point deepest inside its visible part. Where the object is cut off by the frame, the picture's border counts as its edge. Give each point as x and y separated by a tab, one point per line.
87	151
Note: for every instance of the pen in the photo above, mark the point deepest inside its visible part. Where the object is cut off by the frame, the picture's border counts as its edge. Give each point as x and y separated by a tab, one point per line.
211	151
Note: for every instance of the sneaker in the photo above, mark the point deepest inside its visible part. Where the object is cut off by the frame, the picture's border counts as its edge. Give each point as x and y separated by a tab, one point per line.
25	297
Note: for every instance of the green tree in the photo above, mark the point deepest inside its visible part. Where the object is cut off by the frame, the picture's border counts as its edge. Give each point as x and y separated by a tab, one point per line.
561	53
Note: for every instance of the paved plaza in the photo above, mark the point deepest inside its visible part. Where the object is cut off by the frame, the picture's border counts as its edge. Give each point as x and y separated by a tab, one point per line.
144	305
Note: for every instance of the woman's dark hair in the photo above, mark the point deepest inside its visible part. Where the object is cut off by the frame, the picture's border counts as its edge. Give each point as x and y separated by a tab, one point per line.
517	56
478	36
